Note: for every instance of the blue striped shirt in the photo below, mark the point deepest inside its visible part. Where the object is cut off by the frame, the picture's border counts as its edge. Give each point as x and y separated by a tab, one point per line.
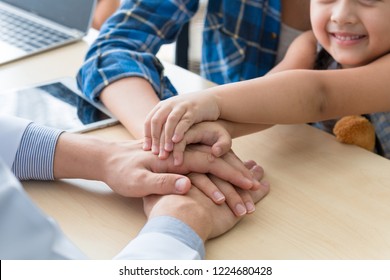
240	41
35	156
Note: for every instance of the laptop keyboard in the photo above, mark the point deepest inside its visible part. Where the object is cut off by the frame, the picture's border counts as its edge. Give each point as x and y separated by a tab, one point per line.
26	34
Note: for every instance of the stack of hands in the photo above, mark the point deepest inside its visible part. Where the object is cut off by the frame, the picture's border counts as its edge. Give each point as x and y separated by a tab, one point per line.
187	139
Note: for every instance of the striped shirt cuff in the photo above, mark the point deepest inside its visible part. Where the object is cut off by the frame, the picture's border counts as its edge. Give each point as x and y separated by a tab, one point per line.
35	156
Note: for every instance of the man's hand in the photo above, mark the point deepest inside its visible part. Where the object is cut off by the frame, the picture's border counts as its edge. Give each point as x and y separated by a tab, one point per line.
221	191
206	218
131	171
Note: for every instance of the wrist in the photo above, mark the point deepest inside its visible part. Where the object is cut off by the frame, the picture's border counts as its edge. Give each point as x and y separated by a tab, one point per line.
119	98
227	126
108	158
176	229
80	156
214	102
185	209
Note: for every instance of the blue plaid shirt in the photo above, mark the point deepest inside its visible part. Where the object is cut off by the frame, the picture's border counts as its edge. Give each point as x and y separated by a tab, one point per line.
240	41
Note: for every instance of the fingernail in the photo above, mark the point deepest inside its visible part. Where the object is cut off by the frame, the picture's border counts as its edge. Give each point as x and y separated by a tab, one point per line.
218	151
256	168
175	138
247	182
176	162
256	185
240	209
168	147
180	185
218	196
155	149
146	144
162	154
250	207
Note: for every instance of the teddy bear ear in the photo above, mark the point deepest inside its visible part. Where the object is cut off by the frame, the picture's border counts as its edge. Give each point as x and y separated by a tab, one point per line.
355	130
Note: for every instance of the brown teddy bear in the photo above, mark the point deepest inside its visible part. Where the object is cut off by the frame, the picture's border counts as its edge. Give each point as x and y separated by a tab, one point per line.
356	130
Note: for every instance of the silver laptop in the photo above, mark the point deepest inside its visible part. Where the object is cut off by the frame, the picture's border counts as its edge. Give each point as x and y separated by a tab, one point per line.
31	26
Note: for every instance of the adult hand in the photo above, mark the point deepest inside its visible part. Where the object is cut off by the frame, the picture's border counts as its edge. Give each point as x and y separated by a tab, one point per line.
221	191
206	218
131	171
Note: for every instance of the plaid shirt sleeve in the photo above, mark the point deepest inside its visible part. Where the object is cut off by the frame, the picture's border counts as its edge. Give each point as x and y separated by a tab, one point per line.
240	41
128	42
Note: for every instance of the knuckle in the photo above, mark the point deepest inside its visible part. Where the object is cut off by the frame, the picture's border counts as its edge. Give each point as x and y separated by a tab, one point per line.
188	120
229	157
232	195
174	116
161	184
155	120
210	158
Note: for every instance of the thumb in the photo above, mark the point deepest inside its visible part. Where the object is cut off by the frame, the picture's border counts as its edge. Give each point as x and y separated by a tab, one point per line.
165	183
222	146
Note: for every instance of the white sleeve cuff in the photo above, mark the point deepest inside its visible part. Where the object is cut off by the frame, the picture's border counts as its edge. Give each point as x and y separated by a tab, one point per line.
157	246
165	237
12	129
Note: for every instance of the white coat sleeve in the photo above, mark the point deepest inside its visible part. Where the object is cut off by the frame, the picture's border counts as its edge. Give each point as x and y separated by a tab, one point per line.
165	238
11	132
25	231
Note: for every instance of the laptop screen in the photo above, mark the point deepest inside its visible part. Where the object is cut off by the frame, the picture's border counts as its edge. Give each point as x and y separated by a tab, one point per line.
71	13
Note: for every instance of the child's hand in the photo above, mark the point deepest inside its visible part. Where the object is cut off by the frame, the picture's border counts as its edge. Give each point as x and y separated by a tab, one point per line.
212	134
171	118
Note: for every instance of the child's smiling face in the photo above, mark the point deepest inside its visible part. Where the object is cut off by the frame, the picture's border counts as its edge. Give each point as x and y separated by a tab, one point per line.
354	32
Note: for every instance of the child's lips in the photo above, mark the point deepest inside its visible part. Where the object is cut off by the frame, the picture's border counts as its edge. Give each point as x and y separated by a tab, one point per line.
347	36
347	39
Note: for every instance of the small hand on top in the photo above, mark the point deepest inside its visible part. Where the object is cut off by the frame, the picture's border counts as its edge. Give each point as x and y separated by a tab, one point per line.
168	122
